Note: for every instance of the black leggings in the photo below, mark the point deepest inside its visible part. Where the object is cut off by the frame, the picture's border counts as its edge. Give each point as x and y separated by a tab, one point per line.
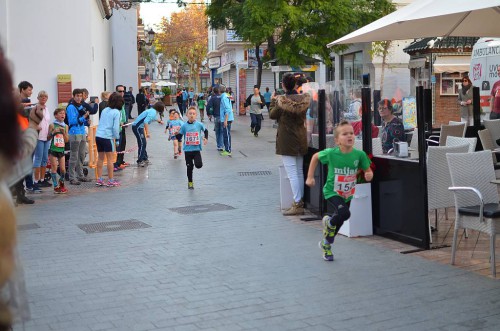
192	157
340	215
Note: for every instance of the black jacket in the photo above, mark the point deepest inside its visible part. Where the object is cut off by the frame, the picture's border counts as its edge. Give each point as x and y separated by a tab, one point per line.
213	105
248	101
141	101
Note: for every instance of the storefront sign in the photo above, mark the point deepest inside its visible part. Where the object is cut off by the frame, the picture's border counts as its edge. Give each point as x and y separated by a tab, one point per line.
214	62
232	36
64	90
252	58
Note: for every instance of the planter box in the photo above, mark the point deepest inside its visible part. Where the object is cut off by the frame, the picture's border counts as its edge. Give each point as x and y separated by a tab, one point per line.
360	223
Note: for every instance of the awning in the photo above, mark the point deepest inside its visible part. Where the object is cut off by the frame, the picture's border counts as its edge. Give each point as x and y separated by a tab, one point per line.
417	63
452	64
225	68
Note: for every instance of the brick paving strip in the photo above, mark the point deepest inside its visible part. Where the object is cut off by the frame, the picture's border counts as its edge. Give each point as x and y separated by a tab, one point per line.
240	268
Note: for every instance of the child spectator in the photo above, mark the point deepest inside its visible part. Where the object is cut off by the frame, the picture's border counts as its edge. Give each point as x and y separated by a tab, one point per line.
58	132
42	147
343	163
107	130
192	130
141	124
173	128
201	107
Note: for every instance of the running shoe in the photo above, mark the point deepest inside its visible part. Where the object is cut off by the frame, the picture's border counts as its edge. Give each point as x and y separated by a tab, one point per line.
327	250
59	190
44	183
34	189
64	190
175	156
126	164
112	183
225	153
255	134
251	130
99	182
190	186
141	164
117	169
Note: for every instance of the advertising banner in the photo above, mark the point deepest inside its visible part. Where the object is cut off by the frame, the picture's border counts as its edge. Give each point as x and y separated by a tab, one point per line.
485	67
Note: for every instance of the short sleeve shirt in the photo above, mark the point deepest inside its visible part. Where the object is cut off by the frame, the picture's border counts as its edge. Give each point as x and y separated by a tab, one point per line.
342	171
255	105
495	93
193	136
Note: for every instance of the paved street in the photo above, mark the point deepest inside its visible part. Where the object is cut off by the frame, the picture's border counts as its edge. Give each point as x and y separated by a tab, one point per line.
243	266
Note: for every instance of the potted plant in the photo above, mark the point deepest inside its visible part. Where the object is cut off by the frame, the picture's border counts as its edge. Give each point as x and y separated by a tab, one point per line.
167	100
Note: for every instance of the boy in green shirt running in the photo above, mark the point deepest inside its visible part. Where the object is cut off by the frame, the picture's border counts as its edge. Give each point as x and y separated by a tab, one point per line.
343	163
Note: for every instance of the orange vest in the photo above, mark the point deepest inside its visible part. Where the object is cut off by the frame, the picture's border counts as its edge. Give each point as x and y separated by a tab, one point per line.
23	122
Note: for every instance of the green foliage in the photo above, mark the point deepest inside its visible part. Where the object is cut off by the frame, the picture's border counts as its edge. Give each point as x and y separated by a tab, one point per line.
296	27
166	90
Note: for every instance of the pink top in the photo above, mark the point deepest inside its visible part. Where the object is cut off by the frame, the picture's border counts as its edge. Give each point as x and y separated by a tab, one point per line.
44	125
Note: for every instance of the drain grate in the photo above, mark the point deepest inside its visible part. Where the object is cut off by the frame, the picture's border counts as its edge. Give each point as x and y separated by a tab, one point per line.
255	173
31	226
113	226
201	208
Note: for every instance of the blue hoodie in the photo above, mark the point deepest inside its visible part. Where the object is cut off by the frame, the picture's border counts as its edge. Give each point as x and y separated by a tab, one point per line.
76	122
226	108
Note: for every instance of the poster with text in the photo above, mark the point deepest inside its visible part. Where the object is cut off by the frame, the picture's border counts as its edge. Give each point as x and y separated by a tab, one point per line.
409	113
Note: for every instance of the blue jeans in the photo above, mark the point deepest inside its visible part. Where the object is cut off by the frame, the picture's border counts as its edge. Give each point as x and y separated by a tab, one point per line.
218	133
256	122
141	142
226	132
41	154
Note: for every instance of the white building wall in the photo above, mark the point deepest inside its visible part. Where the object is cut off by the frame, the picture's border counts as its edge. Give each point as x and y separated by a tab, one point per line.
125	57
47	42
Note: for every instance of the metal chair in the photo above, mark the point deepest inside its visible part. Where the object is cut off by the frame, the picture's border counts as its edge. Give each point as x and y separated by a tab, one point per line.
457	141
494	128
457	130
438	178
476	198
414	140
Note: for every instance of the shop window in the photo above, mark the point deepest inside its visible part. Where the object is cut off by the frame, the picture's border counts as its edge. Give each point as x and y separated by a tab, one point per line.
451	83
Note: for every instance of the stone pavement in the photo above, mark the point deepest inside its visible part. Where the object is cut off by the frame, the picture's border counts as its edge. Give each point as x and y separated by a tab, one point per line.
240	266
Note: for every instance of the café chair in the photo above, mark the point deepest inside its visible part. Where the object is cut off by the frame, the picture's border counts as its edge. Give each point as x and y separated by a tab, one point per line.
494	128
457	141
476	198
457	130
376	146
487	142
439	180
458	123
414	140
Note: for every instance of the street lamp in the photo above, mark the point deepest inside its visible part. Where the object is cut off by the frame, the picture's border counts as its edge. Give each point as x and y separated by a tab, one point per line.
151	36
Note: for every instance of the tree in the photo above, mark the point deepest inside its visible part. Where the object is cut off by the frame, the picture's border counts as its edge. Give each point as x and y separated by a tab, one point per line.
382	48
183	39
295	28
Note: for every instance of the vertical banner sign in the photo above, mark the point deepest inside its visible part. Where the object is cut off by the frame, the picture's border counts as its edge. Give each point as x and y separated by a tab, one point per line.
64	89
242	75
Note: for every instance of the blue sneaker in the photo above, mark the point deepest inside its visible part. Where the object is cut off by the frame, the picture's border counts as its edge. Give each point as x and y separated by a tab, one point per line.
34	189
327	250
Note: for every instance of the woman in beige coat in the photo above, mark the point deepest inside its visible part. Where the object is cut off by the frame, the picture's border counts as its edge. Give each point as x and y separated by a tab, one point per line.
289	111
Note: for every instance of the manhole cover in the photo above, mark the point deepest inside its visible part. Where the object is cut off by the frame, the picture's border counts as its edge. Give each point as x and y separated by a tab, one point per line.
113	226
201	208
31	226
255	173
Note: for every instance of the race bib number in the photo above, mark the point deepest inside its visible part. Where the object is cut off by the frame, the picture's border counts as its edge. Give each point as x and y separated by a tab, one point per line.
345	185
59	140
192	138
174	130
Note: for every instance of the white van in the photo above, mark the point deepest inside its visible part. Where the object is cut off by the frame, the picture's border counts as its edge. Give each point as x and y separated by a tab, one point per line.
483	68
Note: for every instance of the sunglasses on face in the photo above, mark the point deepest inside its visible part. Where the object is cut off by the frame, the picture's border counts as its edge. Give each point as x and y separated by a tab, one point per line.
120	91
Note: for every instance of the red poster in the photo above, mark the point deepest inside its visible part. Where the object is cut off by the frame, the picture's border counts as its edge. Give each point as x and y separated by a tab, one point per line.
243	87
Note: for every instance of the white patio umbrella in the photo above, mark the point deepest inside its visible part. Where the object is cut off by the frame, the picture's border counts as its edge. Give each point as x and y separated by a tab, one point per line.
432	18
164	83
147	84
